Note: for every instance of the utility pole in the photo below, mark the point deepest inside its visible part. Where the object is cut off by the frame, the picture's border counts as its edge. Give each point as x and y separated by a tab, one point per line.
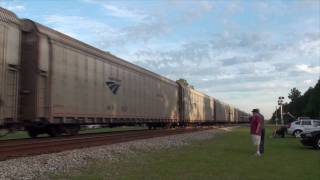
280	103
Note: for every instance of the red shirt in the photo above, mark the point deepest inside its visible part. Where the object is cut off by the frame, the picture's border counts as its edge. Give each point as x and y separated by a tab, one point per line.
255	125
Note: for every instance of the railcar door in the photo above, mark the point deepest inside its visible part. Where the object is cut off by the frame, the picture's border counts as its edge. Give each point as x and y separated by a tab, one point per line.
9	60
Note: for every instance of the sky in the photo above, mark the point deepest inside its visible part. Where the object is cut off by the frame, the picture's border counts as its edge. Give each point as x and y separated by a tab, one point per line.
245	53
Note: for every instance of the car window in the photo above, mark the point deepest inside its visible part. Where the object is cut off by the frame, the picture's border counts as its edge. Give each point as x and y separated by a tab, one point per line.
316	123
297	123
306	122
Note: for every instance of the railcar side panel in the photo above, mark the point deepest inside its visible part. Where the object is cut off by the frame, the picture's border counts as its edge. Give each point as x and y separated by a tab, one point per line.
10	38
221	115
42	79
195	107
231	114
86	88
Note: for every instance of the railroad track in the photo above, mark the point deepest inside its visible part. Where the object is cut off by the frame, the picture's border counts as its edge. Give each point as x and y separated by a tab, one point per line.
27	147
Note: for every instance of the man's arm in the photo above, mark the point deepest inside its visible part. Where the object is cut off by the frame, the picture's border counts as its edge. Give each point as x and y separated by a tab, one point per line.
258	125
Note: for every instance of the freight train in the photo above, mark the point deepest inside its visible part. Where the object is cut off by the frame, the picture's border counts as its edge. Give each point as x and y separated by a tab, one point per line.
52	83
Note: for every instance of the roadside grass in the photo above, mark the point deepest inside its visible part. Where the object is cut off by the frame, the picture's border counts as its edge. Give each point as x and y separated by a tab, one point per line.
227	156
24	134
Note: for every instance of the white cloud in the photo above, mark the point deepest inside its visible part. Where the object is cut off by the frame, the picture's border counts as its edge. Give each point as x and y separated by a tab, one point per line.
130	13
308	69
124	13
13	6
233	7
308	81
206	5
87	30
191	11
17	8
103	35
311	46
242	64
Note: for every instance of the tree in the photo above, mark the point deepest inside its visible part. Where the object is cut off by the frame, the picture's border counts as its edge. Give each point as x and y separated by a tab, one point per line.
307	104
313	107
294	94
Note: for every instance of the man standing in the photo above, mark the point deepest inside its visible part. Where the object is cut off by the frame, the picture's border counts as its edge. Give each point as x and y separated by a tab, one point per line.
255	130
262	133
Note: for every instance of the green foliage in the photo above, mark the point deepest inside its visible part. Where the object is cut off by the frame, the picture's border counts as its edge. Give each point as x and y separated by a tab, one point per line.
313	107
294	94
306	105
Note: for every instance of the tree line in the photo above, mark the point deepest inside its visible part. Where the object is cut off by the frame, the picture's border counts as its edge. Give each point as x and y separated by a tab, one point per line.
306	105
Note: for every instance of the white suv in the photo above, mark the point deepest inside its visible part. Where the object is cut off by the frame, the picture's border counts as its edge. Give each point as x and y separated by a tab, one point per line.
297	127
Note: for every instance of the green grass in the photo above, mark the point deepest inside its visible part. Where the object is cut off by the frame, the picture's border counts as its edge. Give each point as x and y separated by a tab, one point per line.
15	135
228	156
24	134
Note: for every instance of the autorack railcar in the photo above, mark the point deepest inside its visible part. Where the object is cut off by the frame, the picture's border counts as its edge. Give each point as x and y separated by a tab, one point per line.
74	83
243	117
195	107
221	115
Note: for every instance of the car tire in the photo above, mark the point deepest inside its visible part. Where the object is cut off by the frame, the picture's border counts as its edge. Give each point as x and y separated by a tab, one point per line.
297	133
316	143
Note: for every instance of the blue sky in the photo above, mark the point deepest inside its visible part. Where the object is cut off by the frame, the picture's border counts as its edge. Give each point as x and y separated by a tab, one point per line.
246	53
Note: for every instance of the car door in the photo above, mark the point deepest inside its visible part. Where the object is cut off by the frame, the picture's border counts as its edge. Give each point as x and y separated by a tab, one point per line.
316	125
307	125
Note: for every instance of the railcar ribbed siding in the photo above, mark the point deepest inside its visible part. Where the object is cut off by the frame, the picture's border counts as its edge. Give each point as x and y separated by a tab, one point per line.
9	66
196	107
8	17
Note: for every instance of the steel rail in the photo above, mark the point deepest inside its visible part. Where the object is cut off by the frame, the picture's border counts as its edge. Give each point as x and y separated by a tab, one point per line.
32	147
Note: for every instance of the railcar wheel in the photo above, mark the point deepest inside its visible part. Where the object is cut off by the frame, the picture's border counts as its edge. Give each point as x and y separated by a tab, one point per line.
73	130
53	131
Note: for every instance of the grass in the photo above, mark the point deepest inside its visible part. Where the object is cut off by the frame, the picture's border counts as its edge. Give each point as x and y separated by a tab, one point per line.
24	134
228	156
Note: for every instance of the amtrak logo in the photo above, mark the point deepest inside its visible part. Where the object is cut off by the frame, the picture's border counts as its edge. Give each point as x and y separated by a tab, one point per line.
113	86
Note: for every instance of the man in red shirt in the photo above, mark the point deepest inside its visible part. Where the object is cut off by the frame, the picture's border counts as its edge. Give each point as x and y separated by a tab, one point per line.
255	130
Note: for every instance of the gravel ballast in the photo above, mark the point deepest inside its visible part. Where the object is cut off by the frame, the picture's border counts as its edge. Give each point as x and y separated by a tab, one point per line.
37	167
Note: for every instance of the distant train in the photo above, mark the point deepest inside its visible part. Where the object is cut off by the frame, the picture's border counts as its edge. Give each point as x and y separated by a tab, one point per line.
51	83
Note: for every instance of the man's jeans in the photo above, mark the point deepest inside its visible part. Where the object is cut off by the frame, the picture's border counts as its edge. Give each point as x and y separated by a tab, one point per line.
262	141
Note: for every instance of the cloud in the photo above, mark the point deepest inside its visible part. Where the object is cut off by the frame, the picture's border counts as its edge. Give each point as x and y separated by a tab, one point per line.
308	81
103	35
191	11
308	68
124	13
236	63
310	46
12	6
130	13
233	7
80	27
206	5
